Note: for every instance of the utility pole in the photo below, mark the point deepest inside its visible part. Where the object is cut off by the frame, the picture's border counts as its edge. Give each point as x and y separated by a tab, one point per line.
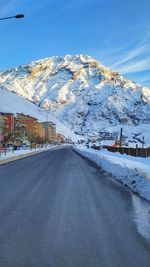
143	141
121	137
136	151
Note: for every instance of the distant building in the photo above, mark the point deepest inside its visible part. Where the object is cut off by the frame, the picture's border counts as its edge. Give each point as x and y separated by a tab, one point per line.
40	132
107	136
125	140
60	138
21	129
19	133
50	131
34	131
29	125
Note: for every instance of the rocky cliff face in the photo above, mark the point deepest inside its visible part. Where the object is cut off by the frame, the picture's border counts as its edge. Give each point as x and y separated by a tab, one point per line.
81	92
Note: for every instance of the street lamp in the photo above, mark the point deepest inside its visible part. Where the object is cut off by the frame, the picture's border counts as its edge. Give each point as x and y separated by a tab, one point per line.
19	16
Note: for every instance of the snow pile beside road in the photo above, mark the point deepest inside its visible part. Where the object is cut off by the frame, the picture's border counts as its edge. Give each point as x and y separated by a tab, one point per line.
17	153
131	171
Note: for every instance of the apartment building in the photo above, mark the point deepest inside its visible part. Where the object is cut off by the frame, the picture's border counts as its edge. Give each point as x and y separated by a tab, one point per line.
50	131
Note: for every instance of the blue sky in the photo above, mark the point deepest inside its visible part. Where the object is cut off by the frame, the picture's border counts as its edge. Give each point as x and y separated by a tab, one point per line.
115	32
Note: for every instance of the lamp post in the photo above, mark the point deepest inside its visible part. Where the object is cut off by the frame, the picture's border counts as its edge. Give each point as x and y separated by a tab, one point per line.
19	16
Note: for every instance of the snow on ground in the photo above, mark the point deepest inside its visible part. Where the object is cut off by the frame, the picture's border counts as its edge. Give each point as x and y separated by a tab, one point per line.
131	171
16	153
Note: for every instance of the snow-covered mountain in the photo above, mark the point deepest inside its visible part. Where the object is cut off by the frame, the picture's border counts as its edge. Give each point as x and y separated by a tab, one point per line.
82	93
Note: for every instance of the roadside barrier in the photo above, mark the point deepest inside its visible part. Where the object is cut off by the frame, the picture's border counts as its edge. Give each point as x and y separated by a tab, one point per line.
135	152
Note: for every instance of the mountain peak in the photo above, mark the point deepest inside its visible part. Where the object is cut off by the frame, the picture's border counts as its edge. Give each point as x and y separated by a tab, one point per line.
80	91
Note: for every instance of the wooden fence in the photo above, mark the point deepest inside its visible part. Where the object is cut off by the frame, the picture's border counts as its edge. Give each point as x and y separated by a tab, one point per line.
135	152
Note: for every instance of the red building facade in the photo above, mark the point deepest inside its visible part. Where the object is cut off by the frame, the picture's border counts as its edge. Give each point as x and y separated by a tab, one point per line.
8	126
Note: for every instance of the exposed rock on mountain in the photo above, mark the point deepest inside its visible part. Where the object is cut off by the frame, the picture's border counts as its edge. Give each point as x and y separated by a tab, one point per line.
81	92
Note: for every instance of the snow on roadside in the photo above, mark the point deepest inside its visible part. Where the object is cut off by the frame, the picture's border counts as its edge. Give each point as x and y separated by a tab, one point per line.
131	171
10	154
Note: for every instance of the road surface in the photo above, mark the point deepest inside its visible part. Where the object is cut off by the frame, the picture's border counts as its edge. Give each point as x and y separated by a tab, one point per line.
59	210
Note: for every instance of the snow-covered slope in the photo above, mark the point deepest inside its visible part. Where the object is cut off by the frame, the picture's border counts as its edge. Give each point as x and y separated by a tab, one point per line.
11	102
82	93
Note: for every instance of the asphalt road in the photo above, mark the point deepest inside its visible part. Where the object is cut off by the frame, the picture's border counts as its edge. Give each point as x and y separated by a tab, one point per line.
58	210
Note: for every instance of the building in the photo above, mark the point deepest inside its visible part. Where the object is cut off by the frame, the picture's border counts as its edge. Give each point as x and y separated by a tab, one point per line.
29	125
23	129
30	129
50	131
40	132
60	138
19	133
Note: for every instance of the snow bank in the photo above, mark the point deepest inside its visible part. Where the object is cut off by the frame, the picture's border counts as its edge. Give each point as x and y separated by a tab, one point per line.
16	153
131	171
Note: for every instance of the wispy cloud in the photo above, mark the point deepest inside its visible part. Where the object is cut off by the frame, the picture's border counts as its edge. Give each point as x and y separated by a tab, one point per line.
138	66
135	61
132	55
6	8
11	6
